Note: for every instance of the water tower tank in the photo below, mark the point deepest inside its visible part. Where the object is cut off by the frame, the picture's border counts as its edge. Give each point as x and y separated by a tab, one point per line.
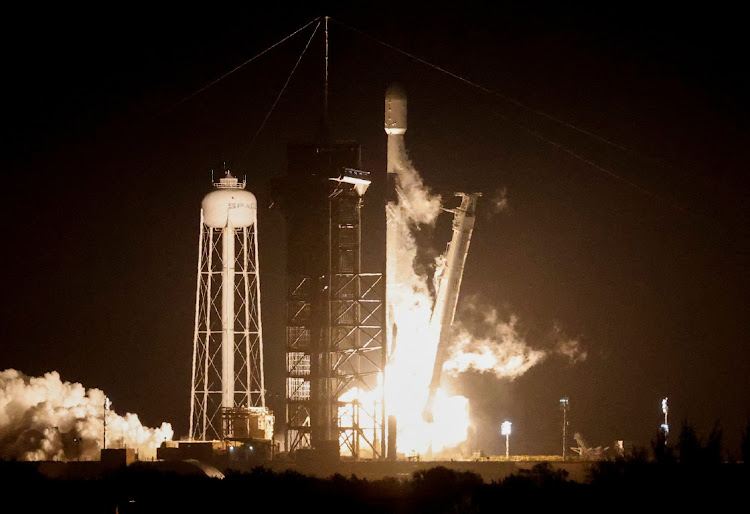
230	206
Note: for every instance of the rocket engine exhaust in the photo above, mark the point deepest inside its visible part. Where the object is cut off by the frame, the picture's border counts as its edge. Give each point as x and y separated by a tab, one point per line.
449	279
421	336
47	418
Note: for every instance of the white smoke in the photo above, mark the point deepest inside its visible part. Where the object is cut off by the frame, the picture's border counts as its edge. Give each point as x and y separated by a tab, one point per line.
499	200
501	351
491	346
45	418
570	348
416	204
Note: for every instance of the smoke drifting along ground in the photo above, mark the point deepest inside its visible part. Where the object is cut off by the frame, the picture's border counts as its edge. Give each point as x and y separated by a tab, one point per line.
45	418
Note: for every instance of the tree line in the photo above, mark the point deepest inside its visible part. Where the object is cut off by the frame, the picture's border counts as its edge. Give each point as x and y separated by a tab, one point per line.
693	472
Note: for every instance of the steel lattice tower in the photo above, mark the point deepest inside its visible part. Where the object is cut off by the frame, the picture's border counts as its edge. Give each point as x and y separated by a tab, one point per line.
335	317
228	390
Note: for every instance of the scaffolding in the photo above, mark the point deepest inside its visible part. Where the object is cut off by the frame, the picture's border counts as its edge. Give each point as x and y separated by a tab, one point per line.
335	316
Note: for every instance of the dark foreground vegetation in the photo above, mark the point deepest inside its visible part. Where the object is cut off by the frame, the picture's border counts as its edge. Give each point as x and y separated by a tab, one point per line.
691	475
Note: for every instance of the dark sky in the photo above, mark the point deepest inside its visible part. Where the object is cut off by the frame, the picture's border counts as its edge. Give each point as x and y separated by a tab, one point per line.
648	269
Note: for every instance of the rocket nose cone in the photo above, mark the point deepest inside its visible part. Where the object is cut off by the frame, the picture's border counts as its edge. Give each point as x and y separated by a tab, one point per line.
395	92
395	110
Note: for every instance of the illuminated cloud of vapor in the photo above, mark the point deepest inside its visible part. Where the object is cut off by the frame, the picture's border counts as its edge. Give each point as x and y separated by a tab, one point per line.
500	349
416	204
45	418
499	200
566	346
571	348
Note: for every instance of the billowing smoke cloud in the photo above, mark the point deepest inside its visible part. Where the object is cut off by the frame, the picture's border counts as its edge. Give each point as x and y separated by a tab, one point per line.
45	418
416	204
499	200
490	344
502	351
571	348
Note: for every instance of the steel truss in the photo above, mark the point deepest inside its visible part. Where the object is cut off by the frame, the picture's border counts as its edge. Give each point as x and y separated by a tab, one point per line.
357	337
206	412
335	340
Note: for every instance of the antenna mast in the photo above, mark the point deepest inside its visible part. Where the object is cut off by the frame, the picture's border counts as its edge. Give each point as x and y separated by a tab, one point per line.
325	82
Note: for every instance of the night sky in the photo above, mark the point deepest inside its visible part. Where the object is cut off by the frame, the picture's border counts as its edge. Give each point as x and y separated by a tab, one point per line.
629	234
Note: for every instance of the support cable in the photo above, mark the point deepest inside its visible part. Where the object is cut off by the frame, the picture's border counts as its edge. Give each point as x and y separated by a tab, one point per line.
278	97
239	66
490	91
600	168
591	163
325	85
538	112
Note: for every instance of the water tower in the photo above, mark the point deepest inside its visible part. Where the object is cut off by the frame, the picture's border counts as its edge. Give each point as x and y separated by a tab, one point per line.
228	390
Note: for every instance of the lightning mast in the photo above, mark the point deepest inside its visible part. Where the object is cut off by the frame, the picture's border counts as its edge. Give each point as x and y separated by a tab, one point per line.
564	406
334	351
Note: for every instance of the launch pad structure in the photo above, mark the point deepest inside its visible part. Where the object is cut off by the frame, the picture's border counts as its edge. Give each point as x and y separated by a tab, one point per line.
339	332
335	348
338	327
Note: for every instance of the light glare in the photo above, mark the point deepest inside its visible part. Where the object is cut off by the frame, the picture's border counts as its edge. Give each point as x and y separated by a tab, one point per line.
505	428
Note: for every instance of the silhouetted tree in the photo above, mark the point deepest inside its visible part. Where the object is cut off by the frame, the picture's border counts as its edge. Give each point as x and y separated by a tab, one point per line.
440	489
544	475
713	451
745	444
662	453
688	445
606	473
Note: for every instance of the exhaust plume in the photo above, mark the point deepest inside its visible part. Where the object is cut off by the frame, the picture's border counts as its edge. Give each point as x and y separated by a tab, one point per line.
499	200
570	348
412	339
45	418
502	351
410	299
495	346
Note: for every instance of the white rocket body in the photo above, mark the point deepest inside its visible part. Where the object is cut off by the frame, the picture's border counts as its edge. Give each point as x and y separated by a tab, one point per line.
395	125
395	110
395	128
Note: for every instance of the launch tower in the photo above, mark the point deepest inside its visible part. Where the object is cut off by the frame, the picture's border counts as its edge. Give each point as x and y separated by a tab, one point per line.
335	350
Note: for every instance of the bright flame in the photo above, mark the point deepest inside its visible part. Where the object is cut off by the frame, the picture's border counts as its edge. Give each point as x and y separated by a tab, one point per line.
414	340
414	346
362	409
